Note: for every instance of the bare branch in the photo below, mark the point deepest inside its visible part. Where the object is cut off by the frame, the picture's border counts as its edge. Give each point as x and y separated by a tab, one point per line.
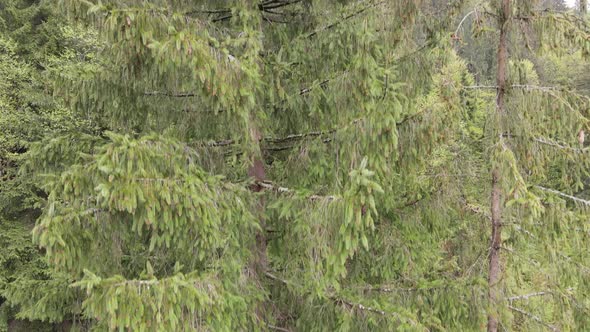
535	318
361	307
344	19
528	296
269	186
514	86
170	94
275	278
277	328
559	193
463	20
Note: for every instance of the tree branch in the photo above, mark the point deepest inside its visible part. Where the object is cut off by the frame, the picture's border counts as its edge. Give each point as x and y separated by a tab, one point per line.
535	318
347	17
281	190
559	193
514	86
546	141
528	296
277	328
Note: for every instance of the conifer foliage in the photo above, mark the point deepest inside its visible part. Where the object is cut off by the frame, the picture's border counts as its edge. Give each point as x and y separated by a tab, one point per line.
299	165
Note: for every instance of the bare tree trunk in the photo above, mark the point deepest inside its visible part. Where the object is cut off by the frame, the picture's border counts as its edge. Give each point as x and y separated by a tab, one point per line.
583	7
259	264
495	268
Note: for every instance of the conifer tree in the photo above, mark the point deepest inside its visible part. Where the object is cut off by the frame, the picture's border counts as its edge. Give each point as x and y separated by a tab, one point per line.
264	165
538	163
34	40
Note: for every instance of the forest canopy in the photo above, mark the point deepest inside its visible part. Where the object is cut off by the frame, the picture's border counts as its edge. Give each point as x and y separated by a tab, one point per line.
294	165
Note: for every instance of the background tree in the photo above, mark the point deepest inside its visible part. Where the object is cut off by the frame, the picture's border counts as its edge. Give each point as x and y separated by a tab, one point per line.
34	41
532	138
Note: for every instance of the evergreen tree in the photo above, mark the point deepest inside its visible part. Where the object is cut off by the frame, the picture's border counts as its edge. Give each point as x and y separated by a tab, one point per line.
34	41
538	161
297	178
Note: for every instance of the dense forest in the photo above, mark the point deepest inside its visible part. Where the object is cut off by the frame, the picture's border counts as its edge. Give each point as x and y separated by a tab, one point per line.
294	165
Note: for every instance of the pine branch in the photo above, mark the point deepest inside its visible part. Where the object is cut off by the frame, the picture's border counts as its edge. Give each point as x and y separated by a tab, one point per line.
535	318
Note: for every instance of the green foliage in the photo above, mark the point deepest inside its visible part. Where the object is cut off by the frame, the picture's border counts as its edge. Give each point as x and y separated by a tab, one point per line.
301	165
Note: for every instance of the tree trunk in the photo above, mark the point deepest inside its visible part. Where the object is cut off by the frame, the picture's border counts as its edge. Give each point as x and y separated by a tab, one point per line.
257	171
583	7
495	268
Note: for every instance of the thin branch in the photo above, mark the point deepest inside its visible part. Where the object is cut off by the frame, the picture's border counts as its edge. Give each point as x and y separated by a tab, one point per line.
282	190
275	278
342	20
348	303
559	193
514	86
170	94
138	282
277	328
535	318
528	296
463	20
549	142
263	7
361	307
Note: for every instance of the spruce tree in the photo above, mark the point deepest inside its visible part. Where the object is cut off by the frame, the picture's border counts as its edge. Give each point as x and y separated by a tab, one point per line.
34	41
535	139
264	165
